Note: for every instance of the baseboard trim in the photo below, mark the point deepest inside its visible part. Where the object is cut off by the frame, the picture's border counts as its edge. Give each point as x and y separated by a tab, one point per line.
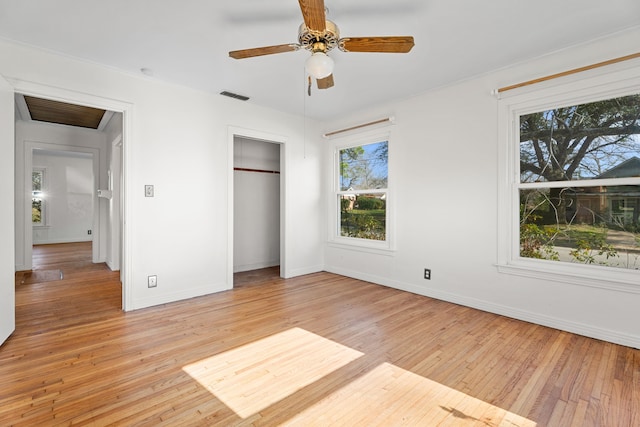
57	241
527	316
22	267
170	297
112	266
302	271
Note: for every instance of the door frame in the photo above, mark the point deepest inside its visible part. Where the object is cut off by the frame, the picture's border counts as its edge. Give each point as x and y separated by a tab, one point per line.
232	133
73	97
7	211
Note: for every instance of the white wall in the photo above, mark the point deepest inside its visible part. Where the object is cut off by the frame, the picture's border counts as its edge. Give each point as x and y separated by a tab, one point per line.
177	140
7	251
256	205
69	197
443	170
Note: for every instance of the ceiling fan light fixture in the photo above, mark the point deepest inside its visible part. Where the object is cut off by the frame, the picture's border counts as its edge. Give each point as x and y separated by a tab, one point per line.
319	36
319	65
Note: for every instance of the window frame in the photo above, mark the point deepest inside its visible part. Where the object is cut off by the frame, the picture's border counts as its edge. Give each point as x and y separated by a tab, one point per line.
384	247
596	85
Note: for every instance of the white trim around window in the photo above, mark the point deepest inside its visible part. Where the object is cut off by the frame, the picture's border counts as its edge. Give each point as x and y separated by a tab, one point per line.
606	83
382	247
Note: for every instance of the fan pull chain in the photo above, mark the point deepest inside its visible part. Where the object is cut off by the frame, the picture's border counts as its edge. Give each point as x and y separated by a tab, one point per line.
309	86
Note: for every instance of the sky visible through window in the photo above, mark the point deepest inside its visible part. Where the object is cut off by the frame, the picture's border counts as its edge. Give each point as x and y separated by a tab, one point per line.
364	167
579	142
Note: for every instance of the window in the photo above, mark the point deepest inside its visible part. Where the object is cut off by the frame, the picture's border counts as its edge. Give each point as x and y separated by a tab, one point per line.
362	192
37	197
571	200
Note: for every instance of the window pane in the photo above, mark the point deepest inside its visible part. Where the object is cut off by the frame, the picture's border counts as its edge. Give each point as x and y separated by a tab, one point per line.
363	215
36	211
364	167
36	178
589	225
587	141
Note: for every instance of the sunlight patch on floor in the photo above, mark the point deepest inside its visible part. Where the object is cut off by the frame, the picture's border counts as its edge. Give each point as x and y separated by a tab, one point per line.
389	395
253	377
256	376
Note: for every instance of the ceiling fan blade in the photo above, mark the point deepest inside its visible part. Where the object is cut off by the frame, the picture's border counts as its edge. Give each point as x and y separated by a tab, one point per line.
313	14
394	44
267	50
326	82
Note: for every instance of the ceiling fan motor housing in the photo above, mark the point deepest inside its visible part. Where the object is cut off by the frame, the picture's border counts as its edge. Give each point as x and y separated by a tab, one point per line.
314	40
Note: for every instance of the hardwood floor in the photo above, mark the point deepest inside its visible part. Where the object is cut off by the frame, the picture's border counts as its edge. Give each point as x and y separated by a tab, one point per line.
88	292
317	350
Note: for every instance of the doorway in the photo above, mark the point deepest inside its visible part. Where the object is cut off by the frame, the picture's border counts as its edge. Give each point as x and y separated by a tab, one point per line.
81	202
62	196
256	207
257	180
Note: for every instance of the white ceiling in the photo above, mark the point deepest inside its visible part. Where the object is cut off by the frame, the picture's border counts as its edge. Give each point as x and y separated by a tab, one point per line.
187	41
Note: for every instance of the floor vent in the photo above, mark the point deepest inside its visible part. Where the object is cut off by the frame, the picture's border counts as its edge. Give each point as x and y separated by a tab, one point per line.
234	95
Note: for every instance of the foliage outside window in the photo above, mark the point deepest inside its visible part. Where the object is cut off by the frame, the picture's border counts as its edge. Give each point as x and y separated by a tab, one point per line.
37	197
579	186
362	194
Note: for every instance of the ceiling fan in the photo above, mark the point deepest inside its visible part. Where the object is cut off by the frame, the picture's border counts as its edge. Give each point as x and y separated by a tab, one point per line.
319	35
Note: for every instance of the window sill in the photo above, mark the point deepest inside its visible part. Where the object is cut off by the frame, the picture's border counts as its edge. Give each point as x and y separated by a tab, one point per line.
363	246
578	274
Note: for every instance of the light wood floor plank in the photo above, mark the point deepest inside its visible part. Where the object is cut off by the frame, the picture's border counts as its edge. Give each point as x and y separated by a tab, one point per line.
317	350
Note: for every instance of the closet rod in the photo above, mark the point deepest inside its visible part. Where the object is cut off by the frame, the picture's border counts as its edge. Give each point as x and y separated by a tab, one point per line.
255	170
567	73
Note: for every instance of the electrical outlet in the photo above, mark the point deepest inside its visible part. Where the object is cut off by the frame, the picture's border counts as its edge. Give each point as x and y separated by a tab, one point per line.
89	232
152	281
148	191
427	273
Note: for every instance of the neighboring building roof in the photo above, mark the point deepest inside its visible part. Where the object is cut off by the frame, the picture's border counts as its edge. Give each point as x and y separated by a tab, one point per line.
626	169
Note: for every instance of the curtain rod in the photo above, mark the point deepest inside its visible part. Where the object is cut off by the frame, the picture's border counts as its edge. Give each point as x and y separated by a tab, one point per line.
567	73
375	122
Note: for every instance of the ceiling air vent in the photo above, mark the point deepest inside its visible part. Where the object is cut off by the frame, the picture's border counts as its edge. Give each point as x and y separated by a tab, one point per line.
234	95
